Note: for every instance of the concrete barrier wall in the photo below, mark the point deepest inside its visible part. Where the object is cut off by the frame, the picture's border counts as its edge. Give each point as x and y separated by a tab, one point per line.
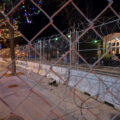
99	85
21	63
91	84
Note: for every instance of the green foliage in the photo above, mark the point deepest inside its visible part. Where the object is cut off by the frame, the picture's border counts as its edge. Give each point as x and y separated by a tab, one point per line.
108	56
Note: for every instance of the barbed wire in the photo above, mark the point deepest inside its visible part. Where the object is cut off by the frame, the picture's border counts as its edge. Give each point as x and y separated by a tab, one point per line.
91	68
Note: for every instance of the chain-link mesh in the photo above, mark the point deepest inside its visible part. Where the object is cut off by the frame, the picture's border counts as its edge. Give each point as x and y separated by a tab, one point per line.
85	59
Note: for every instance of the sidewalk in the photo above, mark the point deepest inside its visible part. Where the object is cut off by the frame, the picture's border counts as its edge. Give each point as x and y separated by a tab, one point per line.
13	91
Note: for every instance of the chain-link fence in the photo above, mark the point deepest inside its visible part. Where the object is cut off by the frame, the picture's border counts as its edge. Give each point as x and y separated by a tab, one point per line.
83	64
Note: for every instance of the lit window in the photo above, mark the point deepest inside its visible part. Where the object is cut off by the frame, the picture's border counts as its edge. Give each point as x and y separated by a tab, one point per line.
117	43
113	44
109	45
117	38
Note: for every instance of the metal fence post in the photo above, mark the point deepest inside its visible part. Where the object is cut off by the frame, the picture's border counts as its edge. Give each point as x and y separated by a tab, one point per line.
70	50
77	46
35	52
40	51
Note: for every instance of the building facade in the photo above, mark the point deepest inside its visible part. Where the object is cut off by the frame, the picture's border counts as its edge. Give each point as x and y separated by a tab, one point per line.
113	41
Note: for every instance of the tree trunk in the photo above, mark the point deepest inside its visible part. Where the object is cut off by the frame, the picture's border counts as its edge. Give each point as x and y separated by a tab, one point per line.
12	50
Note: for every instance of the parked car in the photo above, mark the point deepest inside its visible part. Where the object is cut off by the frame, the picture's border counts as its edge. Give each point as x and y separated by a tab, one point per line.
91	60
31	56
109	62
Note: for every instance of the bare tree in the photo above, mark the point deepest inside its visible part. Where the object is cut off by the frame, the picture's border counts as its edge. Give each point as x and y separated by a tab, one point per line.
71	16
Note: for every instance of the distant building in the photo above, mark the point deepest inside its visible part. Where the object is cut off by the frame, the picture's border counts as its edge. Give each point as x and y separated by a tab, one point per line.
112	40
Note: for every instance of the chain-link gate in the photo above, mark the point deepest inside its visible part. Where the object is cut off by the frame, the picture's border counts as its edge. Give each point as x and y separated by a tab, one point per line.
66	62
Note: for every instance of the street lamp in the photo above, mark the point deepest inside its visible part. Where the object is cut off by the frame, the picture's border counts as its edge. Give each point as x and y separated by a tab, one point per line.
69	36
56	38
95	41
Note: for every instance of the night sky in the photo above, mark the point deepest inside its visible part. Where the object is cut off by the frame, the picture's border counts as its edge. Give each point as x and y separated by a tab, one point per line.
66	17
91	8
